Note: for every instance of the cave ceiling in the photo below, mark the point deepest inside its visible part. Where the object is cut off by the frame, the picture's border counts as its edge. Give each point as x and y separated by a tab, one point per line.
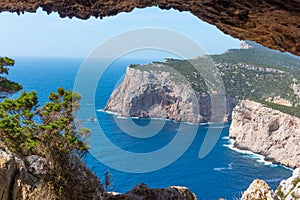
272	23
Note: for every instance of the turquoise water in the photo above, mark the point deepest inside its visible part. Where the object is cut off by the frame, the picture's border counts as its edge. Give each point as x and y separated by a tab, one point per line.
222	173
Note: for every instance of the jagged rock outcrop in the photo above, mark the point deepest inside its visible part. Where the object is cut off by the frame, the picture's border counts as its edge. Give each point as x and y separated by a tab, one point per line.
18	182
143	192
26	178
287	190
266	131
290	189
162	94
259	190
260	21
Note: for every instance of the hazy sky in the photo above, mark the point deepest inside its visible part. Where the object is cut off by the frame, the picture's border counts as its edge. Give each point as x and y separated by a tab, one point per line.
40	34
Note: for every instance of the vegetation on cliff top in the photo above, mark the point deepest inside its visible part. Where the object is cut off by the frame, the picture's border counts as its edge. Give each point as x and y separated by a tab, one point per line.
290	110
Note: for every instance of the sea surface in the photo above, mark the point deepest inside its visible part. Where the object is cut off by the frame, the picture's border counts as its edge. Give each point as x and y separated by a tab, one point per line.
224	172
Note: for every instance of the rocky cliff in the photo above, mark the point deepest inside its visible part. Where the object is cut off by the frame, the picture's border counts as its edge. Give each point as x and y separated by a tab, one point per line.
19	182
26	178
290	189
159	93
266	131
260	21
287	190
259	190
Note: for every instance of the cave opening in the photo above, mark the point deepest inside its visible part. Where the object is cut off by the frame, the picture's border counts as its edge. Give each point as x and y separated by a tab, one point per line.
50	51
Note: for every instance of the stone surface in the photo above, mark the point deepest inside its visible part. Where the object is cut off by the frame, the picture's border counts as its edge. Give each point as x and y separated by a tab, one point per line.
7	174
16	182
259	190
36	165
161	94
273	23
266	131
143	192
290	189
25	179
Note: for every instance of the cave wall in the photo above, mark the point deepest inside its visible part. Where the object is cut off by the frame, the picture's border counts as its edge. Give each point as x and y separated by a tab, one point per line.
273	23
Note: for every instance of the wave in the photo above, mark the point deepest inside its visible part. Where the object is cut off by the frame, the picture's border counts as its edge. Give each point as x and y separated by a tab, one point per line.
249	154
273	180
119	115
108	112
226	138
229	167
217	127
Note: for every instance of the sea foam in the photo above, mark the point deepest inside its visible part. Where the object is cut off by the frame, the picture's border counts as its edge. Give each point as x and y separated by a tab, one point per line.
249	154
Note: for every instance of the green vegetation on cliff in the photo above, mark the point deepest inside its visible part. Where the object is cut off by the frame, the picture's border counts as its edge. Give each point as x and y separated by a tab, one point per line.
49	131
261	56
295	111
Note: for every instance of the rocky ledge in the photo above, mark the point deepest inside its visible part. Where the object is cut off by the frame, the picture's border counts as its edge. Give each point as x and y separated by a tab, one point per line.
142	191
164	94
266	131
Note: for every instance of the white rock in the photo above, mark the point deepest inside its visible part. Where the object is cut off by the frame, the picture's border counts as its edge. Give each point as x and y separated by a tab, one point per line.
267	131
259	190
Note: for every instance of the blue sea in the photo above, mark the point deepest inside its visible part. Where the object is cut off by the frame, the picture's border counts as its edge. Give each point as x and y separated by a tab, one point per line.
224	172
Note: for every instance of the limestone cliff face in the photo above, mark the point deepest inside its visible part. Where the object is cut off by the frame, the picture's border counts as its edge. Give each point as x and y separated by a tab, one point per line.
260	21
160	94
148	94
266	131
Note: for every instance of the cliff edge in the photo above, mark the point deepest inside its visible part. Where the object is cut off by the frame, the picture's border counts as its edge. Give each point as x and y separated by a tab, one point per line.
266	131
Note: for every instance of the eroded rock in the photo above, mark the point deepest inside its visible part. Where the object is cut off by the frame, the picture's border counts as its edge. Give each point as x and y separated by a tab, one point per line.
259	190
143	192
260	21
